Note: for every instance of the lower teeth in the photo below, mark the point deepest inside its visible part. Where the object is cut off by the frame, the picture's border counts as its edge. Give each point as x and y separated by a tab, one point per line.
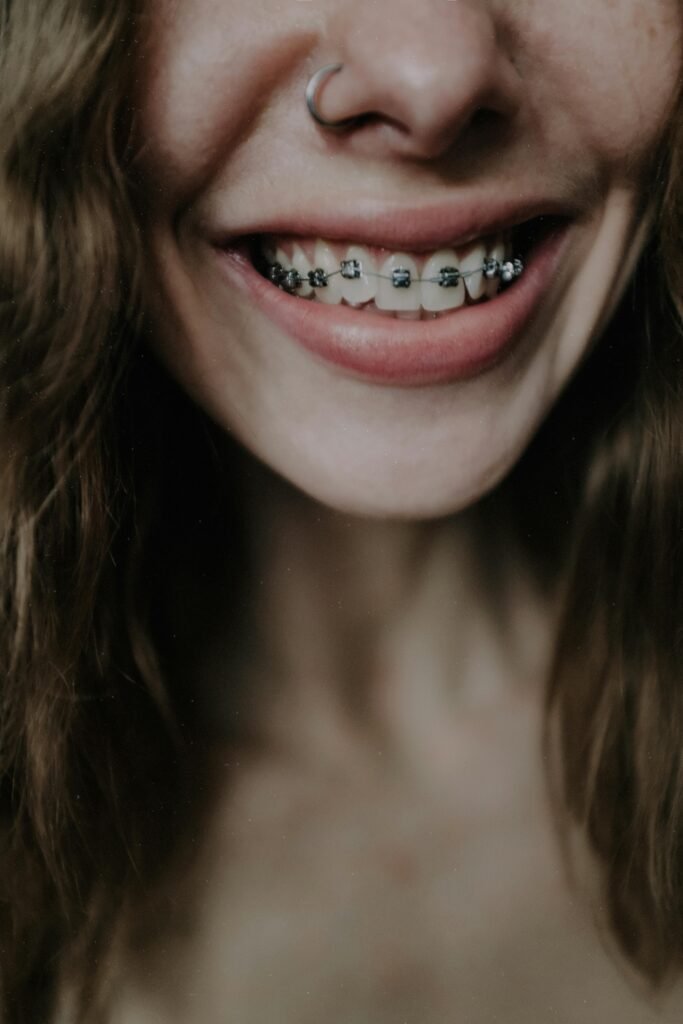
401	314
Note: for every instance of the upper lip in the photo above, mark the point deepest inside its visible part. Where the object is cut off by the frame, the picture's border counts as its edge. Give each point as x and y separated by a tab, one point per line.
418	229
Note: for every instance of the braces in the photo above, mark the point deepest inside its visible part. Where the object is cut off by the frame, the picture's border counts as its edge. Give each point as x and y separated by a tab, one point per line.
449	277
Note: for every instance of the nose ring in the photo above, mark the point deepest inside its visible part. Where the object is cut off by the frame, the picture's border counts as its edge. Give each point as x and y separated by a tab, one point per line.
312	89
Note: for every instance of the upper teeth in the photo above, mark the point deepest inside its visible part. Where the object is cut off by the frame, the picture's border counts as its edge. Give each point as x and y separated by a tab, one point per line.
396	283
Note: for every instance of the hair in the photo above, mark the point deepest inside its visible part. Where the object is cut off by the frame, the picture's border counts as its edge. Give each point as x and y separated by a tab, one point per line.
616	695
95	751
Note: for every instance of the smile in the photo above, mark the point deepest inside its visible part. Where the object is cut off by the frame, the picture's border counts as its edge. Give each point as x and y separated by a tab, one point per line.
351	305
403	285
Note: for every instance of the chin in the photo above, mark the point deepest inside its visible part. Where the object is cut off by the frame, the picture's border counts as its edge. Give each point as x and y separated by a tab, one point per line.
395	489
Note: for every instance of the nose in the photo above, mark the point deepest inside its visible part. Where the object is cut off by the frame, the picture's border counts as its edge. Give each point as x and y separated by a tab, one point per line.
422	72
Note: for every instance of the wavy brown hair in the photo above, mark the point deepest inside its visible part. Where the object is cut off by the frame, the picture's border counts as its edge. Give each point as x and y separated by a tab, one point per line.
95	752
616	694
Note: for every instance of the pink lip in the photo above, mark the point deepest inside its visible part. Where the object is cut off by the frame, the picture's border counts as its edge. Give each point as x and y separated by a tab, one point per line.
428	227
400	352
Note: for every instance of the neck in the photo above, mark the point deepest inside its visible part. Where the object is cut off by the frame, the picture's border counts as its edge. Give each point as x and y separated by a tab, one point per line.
390	624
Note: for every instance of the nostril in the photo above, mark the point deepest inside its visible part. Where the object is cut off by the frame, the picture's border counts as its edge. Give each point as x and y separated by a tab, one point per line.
485	119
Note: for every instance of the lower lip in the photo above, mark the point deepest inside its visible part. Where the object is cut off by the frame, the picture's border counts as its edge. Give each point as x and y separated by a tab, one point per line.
406	353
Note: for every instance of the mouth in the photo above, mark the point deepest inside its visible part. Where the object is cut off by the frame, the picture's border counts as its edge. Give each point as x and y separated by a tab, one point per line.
351	303
392	284
403	285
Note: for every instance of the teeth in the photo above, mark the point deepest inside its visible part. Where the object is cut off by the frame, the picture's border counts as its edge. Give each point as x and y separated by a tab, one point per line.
364	288
301	263
435	298
327	259
498	253
395	283
281	257
472	261
398	299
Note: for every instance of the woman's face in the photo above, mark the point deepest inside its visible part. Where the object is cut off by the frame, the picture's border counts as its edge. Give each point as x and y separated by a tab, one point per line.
490	126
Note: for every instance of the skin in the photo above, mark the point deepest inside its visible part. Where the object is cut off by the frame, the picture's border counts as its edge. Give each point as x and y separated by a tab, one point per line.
580	95
372	576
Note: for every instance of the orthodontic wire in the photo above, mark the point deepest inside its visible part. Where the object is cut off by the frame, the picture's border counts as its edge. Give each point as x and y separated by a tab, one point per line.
450	277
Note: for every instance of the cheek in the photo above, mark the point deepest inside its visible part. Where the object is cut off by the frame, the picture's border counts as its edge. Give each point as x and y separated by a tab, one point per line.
180	83
202	69
602	76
